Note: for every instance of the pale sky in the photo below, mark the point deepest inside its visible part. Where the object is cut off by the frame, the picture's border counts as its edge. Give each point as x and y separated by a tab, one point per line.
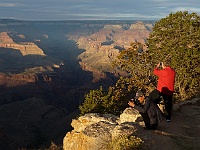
53	10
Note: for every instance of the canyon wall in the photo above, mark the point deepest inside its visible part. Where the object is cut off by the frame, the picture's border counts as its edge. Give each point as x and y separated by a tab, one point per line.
102	47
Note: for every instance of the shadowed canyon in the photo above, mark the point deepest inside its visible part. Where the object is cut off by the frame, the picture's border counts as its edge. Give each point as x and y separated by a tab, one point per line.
46	68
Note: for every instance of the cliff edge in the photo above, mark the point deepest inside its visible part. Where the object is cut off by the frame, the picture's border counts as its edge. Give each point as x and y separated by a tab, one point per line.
95	131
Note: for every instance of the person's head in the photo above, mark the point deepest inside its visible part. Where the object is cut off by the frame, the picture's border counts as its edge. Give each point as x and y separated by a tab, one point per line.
140	96
166	63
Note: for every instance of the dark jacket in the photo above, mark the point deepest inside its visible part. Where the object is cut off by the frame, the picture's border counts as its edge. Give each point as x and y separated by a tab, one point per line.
152	109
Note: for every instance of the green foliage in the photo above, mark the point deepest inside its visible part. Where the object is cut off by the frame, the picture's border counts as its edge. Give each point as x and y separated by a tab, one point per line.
92	102
138	67
113	101
124	142
177	38
99	101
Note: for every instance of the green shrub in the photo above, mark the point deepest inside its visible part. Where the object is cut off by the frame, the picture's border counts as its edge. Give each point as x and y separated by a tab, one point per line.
124	142
113	101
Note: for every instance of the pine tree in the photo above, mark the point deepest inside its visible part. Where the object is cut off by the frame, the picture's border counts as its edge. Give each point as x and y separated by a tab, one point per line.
177	38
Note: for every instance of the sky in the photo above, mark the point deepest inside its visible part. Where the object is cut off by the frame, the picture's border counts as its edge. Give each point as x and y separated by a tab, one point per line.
54	10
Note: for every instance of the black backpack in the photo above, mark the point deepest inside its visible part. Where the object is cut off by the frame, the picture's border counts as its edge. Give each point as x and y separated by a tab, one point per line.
155	96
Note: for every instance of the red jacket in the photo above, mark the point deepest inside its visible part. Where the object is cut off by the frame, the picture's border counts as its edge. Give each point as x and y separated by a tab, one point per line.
166	80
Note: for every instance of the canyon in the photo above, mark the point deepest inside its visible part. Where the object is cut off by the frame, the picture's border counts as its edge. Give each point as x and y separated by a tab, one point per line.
46	68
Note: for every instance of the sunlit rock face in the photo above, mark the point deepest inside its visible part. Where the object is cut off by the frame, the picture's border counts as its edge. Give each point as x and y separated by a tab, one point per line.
26	48
94	131
104	46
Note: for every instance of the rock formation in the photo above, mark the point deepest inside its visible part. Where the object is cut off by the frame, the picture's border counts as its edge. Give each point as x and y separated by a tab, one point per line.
95	131
26	48
104	46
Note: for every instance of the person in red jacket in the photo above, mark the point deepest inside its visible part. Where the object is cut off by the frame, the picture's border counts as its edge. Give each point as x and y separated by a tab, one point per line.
165	85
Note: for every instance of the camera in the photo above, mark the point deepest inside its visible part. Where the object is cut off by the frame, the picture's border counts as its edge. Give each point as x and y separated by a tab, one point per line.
161	63
135	101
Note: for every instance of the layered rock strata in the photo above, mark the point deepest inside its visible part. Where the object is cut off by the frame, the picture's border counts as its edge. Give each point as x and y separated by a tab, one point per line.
104	46
26	48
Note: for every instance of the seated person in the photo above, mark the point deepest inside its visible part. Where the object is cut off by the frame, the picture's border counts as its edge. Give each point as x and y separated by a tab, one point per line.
149	110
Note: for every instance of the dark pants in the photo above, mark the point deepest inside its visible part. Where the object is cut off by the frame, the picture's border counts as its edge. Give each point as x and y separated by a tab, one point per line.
168	105
146	120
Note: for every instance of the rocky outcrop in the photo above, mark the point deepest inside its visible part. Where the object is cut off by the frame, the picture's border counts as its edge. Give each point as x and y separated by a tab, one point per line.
94	131
26	48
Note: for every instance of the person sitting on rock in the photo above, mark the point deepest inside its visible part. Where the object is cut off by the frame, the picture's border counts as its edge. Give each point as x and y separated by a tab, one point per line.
149	110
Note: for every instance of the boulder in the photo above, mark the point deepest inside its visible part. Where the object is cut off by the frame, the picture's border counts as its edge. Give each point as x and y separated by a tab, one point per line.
95	131
129	115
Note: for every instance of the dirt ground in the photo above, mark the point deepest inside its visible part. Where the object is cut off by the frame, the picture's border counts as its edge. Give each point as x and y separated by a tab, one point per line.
182	133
